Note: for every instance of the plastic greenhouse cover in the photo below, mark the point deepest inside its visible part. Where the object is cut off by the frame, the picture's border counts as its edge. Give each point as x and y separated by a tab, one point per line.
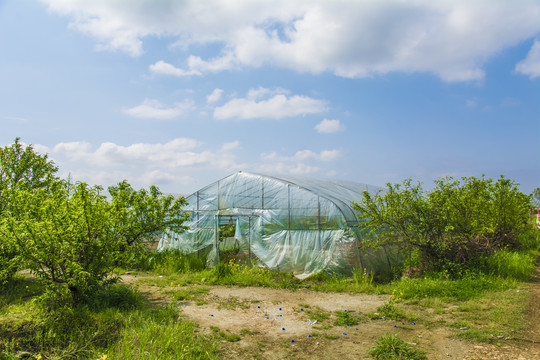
298	225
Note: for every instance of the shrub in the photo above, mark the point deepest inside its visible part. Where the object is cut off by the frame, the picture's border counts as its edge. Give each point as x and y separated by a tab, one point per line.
448	226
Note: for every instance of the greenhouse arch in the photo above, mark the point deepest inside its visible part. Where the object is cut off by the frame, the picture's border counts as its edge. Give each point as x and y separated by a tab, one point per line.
294	224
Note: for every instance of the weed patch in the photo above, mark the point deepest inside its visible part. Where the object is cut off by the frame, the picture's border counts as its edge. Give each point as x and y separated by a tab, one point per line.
391	347
345	318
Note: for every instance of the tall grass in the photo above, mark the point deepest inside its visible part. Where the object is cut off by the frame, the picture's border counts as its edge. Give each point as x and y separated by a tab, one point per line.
116	323
160	334
437	286
510	264
167	262
391	347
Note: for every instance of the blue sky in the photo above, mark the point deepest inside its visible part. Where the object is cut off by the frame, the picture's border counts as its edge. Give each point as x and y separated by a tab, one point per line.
182	93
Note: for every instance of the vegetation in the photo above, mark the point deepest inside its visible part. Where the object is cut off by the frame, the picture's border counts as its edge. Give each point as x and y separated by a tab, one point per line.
391	347
447	228
20	169
68	234
470	241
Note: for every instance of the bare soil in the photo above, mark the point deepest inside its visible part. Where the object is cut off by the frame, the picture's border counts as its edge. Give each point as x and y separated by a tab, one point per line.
272	325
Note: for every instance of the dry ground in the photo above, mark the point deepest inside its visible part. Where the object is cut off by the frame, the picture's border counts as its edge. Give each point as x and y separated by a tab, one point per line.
267	332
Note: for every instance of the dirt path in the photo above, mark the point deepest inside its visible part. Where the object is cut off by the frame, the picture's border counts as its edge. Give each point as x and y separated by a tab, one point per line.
268	320
528	345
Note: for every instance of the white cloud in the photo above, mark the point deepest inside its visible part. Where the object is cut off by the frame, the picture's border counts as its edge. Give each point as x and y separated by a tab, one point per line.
16	119
153	109
214	96
450	38
301	163
531	64
329	126
276	107
229	146
173	164
161	67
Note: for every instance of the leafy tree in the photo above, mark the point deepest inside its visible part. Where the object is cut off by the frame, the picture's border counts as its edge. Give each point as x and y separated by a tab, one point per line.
64	236
20	168
23	168
73	236
449	226
142	213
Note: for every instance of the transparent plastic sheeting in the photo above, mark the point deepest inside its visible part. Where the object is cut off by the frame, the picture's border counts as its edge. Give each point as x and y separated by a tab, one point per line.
298	225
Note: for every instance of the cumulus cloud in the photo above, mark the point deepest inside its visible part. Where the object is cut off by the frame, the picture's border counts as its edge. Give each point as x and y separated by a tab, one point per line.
329	126
172	163
301	163
153	109
161	67
257	105
230	146
214	96
450	38
531	64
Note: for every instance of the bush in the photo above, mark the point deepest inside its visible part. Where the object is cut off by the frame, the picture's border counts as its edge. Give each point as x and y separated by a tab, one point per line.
448	226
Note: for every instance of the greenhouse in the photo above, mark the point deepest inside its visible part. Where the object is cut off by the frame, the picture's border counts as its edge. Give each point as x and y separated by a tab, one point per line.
297	225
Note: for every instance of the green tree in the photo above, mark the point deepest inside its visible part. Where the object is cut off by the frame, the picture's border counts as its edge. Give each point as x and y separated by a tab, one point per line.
20	168
73	236
449	226
143	213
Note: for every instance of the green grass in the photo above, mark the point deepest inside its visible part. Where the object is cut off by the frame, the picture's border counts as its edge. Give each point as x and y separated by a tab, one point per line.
511	264
117	323
166	262
436	286
396	312
345	318
316	313
481	306
160	334
390	347
190	293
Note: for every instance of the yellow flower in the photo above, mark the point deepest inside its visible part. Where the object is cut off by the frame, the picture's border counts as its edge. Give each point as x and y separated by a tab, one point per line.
38	356
103	357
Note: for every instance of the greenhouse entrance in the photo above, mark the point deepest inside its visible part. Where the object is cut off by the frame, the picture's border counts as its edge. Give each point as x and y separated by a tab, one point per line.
235	236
